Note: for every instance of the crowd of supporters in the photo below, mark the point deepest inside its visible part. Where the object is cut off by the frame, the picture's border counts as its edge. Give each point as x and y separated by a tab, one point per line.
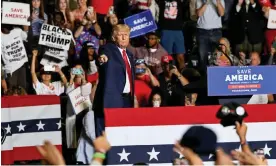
170	63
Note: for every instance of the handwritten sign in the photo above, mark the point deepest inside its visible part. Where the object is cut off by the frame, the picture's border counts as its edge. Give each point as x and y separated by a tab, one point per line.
242	80
271	24
15	13
141	23
56	37
78	101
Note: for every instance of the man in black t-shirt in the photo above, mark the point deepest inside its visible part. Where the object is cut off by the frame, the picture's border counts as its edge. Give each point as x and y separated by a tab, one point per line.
170	24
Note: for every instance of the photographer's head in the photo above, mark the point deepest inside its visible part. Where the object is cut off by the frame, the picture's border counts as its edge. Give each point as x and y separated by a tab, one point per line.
46	76
113	20
140	67
255	58
167	63
16	91
120	35
156	98
78	74
224	45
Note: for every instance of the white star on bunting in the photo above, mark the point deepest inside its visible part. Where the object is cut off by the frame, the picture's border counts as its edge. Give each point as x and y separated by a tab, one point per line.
59	124
267	150
153	154
210	155
40	125
123	155
8	129
21	127
180	155
240	149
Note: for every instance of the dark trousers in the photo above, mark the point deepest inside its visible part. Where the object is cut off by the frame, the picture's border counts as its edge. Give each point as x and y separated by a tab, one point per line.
17	78
100	121
207	41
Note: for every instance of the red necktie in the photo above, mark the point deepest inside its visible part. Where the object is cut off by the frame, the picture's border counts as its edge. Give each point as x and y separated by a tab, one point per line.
128	70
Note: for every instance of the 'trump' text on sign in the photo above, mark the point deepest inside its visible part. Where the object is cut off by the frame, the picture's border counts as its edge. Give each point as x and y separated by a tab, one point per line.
53	36
140	23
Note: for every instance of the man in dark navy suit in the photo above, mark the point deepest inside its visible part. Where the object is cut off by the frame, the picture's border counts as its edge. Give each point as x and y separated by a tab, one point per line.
116	76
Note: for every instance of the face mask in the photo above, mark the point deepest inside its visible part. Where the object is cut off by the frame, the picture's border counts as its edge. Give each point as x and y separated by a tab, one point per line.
93	67
140	70
156	103
145	78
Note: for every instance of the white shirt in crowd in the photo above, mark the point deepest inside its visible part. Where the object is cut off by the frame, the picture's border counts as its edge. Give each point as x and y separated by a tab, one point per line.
127	85
55	88
210	18
8	40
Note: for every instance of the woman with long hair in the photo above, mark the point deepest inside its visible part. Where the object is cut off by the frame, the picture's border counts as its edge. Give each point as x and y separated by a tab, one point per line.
63	7
88	62
80	11
38	17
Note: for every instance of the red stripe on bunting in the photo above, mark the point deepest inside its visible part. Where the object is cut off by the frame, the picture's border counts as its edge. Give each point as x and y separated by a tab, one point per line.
181	115
22	154
29	100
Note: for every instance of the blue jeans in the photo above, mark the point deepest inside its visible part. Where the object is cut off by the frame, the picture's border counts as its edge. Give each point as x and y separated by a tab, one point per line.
207	41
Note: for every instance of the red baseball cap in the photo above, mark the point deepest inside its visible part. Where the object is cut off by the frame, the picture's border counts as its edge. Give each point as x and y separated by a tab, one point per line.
166	58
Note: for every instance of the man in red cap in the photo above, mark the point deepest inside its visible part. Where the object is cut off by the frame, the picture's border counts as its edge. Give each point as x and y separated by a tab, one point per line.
170	79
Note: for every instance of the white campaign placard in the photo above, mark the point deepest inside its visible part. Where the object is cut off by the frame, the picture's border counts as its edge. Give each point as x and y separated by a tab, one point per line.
15	13
56	37
78	101
271	24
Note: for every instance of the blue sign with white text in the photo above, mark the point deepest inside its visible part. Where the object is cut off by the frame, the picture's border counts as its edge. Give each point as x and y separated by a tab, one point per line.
241	80
140	23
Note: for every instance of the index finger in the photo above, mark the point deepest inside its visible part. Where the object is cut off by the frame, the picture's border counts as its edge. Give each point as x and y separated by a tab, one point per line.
104	134
41	150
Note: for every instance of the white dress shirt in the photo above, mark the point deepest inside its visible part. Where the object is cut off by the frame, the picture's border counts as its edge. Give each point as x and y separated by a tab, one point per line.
127	85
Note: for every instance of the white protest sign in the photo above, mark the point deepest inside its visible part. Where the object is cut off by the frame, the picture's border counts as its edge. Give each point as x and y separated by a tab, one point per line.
15	13
78	101
55	56
14	54
271	24
56	37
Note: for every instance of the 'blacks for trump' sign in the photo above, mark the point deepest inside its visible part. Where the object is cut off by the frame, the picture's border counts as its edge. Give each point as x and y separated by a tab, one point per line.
53	36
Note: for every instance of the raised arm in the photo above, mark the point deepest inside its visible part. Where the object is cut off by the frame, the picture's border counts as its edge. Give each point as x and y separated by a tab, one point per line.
201	7
33	73
220	8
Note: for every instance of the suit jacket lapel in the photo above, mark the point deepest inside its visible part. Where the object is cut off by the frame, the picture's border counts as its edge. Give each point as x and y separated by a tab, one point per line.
119	56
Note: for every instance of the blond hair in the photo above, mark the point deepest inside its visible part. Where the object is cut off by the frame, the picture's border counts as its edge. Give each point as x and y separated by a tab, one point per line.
120	27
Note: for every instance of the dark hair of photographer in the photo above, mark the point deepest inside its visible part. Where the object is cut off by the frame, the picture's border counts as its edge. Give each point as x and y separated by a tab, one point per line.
16	91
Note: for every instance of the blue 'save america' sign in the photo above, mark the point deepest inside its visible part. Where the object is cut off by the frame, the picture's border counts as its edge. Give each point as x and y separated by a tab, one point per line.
241	80
140	23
